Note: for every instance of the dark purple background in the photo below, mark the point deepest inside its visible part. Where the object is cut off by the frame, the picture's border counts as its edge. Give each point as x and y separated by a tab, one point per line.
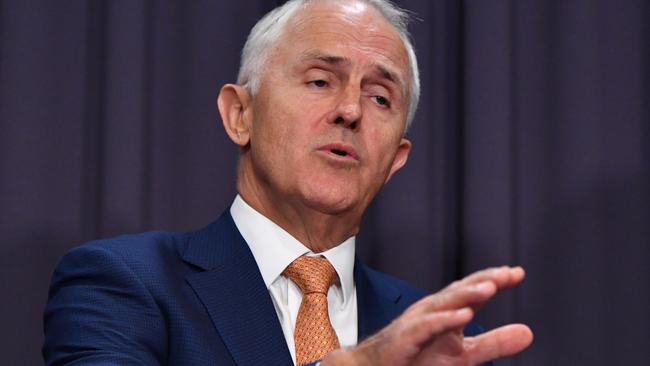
531	146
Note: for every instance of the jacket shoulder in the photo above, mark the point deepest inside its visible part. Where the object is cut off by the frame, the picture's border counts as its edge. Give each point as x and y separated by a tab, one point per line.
409	292
137	246
96	282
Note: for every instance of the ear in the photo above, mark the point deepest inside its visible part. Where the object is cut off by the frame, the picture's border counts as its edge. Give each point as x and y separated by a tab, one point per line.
235	108
401	156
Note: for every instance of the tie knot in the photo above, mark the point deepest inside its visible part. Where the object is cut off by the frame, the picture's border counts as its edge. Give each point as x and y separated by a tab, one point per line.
312	274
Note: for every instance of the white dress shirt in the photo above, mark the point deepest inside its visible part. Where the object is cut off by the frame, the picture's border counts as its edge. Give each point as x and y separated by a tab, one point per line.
274	249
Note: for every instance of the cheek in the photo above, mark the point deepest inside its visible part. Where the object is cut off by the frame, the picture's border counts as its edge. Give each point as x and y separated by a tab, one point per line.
382	146
271	122
279	137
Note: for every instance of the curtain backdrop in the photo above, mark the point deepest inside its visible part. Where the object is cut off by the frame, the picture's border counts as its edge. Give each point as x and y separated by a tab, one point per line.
531	147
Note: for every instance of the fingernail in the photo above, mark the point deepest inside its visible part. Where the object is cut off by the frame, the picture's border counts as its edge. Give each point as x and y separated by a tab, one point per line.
519	271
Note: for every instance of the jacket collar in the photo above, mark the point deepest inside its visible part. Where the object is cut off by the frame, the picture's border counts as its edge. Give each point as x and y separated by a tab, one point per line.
378	300
233	292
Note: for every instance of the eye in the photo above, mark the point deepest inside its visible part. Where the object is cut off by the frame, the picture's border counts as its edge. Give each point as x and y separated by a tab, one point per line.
318	83
381	100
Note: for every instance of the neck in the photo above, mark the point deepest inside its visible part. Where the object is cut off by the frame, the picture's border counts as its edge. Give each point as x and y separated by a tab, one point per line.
315	229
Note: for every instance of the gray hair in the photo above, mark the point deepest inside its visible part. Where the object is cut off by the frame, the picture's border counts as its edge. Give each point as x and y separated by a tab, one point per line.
267	32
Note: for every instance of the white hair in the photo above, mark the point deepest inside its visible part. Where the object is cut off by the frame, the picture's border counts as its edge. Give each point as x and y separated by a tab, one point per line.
267	31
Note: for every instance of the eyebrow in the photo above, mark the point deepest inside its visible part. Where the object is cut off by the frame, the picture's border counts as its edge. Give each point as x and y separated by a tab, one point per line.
389	75
383	71
328	59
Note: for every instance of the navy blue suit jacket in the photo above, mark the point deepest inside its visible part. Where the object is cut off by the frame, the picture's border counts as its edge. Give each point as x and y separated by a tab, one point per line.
186	299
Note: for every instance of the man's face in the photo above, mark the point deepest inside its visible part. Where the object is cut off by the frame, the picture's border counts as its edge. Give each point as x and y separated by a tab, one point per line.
330	112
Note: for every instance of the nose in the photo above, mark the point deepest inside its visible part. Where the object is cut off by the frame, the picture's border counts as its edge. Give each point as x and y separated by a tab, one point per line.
348	110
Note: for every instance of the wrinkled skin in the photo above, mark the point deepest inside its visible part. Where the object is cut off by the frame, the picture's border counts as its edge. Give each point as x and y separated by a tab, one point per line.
337	79
320	138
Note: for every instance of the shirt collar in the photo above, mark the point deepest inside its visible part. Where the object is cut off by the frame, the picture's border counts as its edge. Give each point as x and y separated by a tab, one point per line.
274	249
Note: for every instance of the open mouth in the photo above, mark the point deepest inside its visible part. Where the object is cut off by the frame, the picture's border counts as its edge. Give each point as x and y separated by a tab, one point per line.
343	150
339	152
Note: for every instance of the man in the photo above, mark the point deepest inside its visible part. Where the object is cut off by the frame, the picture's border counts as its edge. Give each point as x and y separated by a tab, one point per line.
325	91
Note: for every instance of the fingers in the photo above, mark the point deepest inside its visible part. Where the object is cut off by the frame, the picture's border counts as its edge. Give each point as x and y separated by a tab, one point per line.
403	339
427	326
455	298
503	277
501	342
422	329
473	291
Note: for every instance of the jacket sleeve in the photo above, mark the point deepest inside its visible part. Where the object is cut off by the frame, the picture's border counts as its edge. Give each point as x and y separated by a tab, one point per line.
100	313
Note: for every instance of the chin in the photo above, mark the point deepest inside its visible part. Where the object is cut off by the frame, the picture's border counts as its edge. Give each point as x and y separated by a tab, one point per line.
331	201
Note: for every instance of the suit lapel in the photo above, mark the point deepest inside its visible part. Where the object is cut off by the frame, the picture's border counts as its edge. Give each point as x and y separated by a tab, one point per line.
377	301
234	294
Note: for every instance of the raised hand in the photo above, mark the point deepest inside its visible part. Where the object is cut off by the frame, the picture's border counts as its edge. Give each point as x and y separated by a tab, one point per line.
430	331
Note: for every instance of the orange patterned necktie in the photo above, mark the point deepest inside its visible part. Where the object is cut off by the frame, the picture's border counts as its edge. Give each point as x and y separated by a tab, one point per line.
314	334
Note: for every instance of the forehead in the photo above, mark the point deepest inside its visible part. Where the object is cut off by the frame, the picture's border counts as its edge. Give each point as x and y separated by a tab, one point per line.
351	29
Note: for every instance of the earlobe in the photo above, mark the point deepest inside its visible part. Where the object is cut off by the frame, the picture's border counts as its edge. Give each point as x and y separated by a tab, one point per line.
234	104
401	156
